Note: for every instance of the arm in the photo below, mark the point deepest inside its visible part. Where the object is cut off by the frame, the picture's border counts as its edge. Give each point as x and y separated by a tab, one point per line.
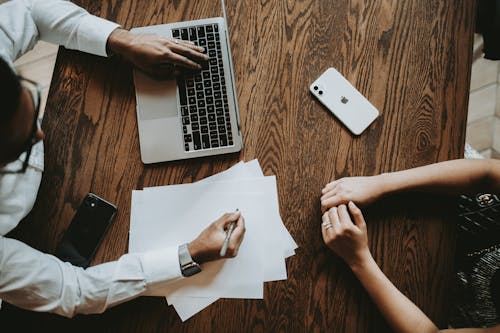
40	282
450	177
348	239
23	22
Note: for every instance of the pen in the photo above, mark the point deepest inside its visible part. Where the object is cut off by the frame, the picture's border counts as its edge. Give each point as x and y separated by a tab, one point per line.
228	236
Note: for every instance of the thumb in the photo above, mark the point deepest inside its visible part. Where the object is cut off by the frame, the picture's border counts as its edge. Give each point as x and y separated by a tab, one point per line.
356	213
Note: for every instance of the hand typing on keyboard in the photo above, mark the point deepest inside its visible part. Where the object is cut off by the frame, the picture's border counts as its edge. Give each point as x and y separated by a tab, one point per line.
157	55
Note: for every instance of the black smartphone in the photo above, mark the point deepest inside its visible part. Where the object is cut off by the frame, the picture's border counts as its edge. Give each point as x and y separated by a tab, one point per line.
86	231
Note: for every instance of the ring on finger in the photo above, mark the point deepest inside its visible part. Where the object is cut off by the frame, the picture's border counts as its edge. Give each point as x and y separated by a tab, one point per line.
327	225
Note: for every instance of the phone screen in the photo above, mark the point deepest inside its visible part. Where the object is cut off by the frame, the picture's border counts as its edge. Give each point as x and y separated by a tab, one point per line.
86	231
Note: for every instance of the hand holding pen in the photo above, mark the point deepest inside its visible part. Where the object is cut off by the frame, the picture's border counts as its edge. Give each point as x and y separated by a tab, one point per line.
227	232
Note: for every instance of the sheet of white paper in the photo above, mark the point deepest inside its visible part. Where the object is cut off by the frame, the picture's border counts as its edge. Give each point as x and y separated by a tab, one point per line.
186	308
274	266
185	214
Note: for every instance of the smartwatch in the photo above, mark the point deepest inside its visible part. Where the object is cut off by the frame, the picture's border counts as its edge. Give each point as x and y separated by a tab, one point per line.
188	266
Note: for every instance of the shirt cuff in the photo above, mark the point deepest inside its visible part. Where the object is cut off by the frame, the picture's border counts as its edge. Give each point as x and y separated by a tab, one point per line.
161	266
95	36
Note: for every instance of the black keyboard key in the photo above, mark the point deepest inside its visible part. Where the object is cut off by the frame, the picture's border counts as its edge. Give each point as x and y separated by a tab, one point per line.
206	75
201	32
210	109
221	71
223	89
203	120
214	70
193	109
190	91
222	80
205	140
207	83
182	92
194	117
184	129
212	127
230	142
222	129
216	86
199	95
208	91
185	120
217	45
212	53
218	103
229	135
214	143
202	42
184	110
190	83
210	37
196	140
176	33
223	140
188	138
217	95
219	112
225	99
220	120
186	146
209	28
192	34
211	117
226	107
211	45
216	28
201	104
195	127
217	37
192	100
214	135
199	86
215	77
184	34
202	112
209	100
204	129
197	78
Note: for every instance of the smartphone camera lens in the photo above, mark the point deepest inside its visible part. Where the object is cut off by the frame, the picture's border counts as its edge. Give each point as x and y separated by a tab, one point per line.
320	92
315	87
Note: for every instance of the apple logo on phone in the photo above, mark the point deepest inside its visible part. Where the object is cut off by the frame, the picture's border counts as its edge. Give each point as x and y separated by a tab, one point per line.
344	100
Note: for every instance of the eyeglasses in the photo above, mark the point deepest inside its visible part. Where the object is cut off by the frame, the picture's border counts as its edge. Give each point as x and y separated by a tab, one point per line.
36	92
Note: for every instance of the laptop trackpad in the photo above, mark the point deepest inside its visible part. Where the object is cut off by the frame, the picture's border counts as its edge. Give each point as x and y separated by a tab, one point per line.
155	99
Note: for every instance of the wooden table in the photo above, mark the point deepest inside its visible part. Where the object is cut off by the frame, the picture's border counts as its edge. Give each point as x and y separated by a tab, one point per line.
411	59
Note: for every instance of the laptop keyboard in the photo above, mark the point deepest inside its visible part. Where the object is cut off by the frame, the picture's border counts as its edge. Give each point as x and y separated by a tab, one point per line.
203	95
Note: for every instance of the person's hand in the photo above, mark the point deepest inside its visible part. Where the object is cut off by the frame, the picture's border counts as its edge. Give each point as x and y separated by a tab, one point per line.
207	245
347	238
157	55
362	190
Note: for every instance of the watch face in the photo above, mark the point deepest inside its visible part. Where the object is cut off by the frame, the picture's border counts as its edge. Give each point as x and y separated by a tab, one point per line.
191	269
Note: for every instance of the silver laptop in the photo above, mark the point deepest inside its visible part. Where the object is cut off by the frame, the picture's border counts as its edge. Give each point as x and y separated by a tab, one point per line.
195	115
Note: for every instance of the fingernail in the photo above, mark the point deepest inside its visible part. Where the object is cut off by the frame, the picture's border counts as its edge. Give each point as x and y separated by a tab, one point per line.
198	66
202	49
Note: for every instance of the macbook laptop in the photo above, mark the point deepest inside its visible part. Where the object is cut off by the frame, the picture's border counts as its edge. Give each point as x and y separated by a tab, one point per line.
196	114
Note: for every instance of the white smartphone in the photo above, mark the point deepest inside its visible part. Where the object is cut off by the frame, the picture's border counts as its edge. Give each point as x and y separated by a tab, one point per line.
344	101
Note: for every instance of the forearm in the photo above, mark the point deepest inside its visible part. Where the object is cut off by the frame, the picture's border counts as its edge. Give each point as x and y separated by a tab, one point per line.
401	314
450	177
40	282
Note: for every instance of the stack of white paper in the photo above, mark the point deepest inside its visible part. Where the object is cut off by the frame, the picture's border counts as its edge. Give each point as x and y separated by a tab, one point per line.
173	215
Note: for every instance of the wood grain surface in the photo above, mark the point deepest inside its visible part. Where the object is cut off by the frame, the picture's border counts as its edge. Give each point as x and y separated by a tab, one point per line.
411	59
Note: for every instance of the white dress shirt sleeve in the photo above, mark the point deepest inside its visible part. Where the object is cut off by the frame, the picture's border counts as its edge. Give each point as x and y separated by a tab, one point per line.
23	22
41	282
